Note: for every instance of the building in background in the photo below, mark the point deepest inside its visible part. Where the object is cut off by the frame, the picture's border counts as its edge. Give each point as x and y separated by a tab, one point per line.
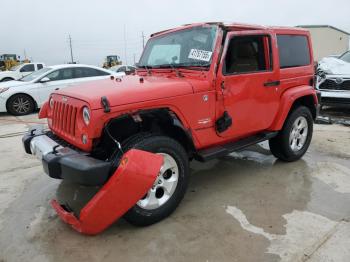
327	40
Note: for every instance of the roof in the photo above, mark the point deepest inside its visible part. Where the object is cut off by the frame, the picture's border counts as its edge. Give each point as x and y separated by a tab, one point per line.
229	26
324	26
72	65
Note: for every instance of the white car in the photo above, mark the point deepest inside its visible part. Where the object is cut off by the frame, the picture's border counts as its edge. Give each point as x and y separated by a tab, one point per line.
333	80
23	96
20	71
127	69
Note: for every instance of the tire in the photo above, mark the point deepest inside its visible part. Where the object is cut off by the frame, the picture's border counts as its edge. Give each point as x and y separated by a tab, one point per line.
6	79
293	140
20	105
143	213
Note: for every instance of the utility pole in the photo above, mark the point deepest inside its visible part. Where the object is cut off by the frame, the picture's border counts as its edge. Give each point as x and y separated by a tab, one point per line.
125	53
25	54
134	59
71	49
143	40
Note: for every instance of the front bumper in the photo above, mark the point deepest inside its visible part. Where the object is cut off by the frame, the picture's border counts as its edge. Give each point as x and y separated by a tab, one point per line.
121	190
335	98
63	162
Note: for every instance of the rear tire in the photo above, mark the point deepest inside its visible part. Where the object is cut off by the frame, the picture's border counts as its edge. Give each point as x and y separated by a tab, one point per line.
169	188
20	105
294	139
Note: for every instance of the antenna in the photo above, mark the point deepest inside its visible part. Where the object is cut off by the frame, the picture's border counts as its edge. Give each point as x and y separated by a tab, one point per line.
71	49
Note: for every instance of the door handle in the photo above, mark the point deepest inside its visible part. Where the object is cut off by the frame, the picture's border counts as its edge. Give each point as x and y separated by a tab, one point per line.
272	83
57	88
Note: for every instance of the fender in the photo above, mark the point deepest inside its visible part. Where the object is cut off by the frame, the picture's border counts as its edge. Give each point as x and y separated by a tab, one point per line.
43	110
129	183
286	102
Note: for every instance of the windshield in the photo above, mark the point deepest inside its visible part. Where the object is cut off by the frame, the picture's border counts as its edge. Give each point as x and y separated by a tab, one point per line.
189	47
35	74
345	57
14	68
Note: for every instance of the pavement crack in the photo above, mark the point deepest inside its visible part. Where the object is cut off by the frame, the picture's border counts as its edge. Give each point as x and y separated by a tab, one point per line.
314	248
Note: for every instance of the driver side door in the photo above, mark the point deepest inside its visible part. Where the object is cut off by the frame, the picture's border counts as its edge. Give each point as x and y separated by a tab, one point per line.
249	82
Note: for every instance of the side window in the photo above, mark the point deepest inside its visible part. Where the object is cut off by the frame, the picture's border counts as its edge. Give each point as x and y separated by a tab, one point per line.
39	66
121	69
61	74
248	54
130	70
293	50
27	68
89	72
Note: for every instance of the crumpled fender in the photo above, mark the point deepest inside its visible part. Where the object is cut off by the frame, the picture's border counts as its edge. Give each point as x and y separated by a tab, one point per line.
130	182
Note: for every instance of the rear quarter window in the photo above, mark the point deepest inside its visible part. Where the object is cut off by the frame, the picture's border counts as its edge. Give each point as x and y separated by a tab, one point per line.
293	50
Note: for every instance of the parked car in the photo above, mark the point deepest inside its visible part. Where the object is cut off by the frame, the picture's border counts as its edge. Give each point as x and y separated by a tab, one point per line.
22	96
201	91
123	68
20	71
333	80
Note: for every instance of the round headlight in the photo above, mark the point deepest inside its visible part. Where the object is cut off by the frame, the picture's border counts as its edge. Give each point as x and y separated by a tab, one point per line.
51	102
86	115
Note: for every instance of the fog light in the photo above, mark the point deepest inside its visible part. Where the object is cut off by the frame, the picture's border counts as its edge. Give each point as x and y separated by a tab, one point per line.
84	139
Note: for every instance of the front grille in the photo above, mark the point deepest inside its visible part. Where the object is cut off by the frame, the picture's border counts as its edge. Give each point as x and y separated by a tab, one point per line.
329	84
64	118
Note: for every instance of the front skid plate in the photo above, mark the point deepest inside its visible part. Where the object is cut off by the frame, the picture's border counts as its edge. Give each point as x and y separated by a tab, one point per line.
130	182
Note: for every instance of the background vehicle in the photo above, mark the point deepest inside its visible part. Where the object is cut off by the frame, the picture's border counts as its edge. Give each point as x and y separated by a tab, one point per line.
201	91
7	61
333	80
20	71
112	60
21	97
123	68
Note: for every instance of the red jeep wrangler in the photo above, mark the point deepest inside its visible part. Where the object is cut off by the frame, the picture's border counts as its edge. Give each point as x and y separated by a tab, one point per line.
200	91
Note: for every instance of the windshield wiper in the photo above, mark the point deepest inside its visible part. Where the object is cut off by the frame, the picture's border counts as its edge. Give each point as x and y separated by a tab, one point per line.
147	67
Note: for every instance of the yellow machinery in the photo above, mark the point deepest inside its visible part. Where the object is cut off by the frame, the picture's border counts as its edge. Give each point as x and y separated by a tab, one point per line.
7	61
112	60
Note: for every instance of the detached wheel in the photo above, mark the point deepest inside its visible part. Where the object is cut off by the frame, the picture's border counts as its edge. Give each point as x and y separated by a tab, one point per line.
171	184
294	139
20	105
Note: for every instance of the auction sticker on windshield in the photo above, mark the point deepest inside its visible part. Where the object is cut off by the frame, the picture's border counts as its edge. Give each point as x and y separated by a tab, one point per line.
200	55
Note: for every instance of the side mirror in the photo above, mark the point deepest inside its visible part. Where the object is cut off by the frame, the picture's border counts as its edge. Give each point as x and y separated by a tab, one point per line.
44	80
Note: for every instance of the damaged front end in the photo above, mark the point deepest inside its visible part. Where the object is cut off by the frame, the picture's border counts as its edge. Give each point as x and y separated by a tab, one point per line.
118	191
333	81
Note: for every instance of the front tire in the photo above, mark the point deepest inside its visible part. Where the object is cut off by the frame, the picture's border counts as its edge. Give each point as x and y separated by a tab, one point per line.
20	105
170	186
294	139
6	79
